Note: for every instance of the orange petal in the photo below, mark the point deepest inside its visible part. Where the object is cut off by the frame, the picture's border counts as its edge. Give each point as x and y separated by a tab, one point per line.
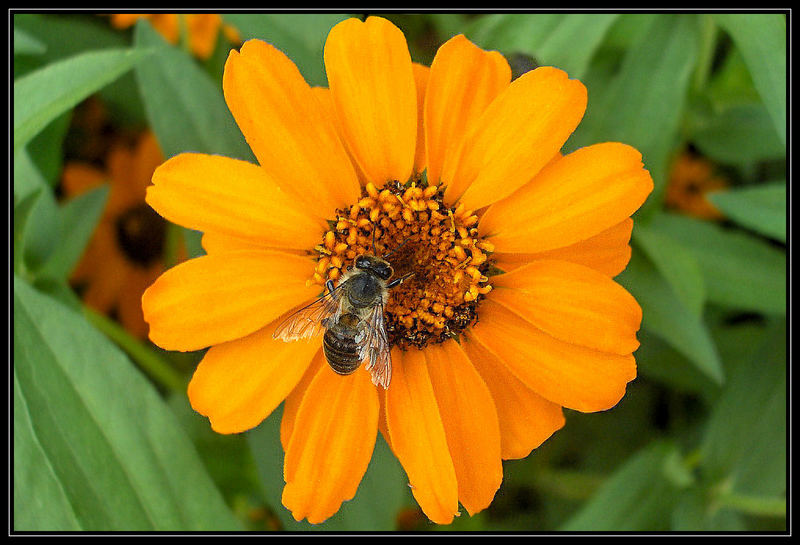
372	83
239	383
418	437
526	419
325	98
464	80
421	73
280	118
129	302
573	303
583	194
517	134
78	177
214	243
232	197
220	297
294	399
607	252
332	443
203	29
470	424
572	376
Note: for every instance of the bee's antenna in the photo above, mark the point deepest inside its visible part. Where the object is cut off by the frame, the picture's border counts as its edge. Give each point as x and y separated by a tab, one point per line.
393	251
400	280
374	228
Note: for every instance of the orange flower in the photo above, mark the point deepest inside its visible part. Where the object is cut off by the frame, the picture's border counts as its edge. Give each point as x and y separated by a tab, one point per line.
692	177
124	255
202	28
456	170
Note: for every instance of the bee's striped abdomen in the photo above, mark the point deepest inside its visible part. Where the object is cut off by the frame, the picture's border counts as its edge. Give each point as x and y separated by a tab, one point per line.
340	347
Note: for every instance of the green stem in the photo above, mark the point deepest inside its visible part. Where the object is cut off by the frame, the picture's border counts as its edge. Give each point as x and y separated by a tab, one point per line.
754	505
155	367
575	485
705	56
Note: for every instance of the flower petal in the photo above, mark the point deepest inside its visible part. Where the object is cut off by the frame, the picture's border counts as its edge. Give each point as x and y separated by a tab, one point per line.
220	297
583	194
519	133
372	83
470	424
464	80
418	437
78	178
232	197
569	375
607	252
239	383
280	118
526	418
572	303
294	398
331	445
421	74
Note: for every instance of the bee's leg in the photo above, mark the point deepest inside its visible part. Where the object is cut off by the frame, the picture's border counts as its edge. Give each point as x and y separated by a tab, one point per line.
398	281
329	285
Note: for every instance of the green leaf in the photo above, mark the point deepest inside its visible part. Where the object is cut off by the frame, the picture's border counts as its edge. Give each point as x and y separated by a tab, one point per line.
732	85
46	503
25	44
68	35
381	494
300	36
659	361
111	456
693	513
185	108
637	497
676	264
761	208
27	177
761	39
745	440
42	233
739	135
77	220
665	315
41	96
22	213
741	271
46	149
643	102
567	41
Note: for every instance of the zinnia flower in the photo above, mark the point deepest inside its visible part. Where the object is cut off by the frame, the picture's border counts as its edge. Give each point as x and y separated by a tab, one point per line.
124	255
691	178
456	170
202	28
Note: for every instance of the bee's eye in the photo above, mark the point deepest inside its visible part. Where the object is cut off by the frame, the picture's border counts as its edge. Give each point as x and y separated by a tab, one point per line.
362	262
384	272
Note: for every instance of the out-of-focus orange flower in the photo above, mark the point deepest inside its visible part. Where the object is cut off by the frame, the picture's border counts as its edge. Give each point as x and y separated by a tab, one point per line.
691	179
124	255
202	28
455	169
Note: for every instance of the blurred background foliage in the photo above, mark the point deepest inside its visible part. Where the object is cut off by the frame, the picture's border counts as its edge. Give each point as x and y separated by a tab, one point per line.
104	438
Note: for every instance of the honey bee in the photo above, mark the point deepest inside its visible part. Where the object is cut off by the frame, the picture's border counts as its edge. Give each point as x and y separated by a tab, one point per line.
351	315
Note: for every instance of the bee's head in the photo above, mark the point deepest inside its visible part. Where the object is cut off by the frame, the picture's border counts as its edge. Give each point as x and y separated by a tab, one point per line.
376	265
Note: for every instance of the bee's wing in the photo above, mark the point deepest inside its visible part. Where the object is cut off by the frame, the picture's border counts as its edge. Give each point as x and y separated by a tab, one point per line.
312	319
374	348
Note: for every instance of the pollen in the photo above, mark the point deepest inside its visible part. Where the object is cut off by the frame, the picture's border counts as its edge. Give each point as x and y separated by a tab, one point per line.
436	246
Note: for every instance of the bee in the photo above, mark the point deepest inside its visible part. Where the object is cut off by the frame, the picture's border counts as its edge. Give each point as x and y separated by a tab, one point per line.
352	318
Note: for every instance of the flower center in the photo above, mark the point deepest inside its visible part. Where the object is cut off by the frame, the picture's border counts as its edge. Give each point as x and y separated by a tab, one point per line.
140	234
410	226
